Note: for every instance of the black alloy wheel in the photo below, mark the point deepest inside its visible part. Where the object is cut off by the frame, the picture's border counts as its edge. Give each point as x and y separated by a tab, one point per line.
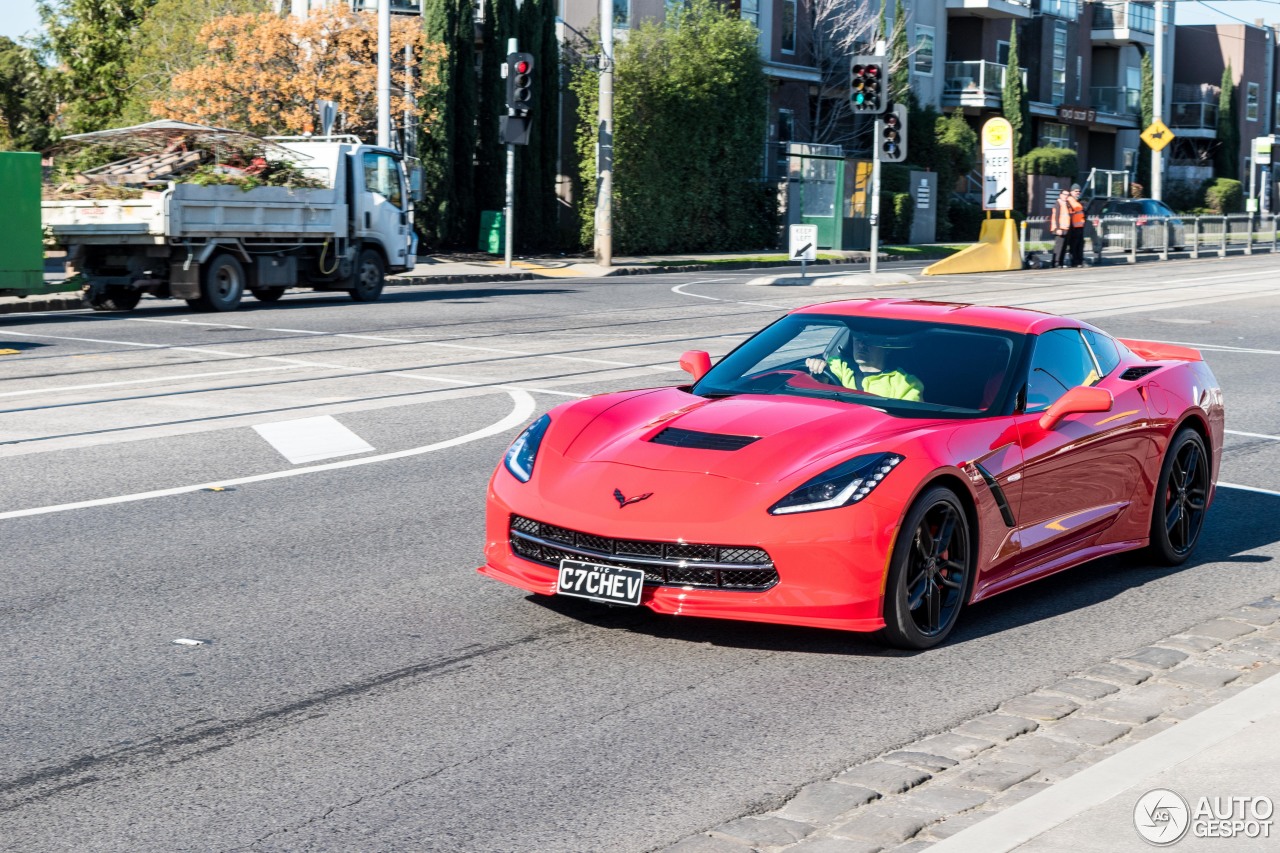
1181	499
929	573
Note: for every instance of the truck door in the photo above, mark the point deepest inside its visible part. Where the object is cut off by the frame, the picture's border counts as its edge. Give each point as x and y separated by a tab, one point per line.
383	206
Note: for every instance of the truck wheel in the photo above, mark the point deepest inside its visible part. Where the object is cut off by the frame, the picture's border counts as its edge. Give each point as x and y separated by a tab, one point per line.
369	277
116	298
267	294
223	285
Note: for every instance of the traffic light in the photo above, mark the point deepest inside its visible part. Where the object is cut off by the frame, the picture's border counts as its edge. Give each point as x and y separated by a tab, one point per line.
867	81
893	136
520	81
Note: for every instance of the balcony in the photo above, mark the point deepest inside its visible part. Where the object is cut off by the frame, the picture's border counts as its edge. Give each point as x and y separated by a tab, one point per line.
991	8
975	84
1193	119
1116	100
1068	10
1118	24
398	7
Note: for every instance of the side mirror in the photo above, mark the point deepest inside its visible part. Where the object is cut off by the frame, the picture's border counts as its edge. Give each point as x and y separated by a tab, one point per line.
1077	401
696	363
416	190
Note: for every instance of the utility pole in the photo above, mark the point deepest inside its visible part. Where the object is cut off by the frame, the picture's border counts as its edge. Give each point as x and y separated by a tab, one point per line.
384	73
604	147
1157	101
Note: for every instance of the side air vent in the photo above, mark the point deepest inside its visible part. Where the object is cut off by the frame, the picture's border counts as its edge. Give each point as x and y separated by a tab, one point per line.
1133	374
676	437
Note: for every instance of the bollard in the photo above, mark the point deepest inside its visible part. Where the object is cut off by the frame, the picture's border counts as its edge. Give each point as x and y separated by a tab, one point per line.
1195	236
1164	239
1248	242
1133	241
1222	244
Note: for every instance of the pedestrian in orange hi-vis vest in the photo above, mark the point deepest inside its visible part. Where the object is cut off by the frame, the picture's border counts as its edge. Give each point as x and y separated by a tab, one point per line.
1075	237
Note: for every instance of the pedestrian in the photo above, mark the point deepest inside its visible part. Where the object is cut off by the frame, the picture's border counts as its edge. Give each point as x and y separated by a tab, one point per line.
1075	234
1060	228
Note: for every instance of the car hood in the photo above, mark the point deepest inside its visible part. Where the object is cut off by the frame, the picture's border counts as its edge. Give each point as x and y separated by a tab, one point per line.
786	434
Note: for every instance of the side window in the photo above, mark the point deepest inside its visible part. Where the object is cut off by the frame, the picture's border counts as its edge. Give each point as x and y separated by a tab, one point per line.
1060	362
382	177
1104	350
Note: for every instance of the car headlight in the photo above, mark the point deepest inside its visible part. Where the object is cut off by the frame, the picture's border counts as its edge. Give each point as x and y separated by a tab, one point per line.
847	483
524	450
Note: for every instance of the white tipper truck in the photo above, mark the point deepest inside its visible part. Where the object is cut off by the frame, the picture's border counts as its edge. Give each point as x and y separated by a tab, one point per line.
209	244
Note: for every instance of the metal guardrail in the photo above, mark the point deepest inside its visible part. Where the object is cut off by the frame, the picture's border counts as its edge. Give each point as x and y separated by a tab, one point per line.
1114	237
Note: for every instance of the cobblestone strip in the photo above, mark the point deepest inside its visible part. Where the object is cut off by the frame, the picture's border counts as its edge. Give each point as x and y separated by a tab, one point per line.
906	800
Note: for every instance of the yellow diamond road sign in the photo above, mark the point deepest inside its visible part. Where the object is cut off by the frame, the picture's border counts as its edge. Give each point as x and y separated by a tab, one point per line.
1157	135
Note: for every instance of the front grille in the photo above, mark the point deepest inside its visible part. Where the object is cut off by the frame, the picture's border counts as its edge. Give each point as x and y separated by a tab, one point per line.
676	437
1135	373
664	563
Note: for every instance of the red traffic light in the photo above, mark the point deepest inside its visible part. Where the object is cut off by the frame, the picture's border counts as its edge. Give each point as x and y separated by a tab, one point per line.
522	67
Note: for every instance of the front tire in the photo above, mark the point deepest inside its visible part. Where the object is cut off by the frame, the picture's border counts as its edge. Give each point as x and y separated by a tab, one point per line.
369	277
1181	499
933	559
223	285
116	298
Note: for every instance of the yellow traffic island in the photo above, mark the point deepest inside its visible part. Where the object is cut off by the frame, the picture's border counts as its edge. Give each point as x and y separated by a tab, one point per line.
997	250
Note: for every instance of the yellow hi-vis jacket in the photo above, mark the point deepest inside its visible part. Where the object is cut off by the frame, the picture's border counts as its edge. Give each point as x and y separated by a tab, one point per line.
890	384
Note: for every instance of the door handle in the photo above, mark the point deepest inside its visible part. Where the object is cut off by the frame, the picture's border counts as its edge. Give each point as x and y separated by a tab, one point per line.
367	220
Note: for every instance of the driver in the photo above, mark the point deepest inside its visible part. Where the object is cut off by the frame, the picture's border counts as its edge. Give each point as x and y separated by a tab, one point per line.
871	371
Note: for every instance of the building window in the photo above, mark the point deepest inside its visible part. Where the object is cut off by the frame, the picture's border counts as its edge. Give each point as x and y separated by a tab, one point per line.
924	50
1079	76
789	26
621	14
786	133
1002	53
1251	102
748	10
1055	135
1059	73
1068	9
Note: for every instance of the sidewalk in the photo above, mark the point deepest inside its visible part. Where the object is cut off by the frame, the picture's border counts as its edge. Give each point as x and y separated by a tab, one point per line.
463	268
1177	742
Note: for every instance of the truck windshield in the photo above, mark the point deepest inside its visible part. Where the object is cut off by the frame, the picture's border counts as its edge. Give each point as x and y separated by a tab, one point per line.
382	176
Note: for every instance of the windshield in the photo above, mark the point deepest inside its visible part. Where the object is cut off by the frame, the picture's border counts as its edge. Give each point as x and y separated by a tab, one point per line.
906	368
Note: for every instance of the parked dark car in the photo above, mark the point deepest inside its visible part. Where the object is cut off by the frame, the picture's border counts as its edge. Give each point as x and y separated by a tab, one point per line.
1148	216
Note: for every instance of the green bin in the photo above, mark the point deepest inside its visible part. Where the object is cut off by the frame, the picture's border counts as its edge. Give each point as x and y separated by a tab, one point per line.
492	232
21	241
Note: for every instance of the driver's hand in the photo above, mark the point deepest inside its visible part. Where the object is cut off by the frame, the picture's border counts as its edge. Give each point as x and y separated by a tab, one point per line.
816	365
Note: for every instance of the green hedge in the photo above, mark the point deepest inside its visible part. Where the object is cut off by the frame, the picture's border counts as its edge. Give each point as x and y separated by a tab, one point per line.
1059	162
896	216
1224	195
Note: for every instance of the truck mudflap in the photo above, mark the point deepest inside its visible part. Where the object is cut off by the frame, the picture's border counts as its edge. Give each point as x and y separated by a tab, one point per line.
184	280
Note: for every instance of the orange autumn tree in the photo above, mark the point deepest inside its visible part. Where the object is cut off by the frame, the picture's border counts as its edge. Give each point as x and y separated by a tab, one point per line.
264	73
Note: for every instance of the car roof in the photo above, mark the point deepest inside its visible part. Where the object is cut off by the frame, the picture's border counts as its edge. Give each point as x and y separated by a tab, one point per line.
1019	320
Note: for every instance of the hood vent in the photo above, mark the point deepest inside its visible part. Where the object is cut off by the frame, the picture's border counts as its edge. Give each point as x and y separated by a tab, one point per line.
1133	374
676	437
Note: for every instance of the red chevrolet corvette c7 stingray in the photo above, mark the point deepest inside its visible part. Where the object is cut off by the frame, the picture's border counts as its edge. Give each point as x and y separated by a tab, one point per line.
868	465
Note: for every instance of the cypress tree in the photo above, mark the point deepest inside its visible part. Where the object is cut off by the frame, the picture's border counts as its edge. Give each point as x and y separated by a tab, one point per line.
1227	157
448	142
1146	104
1014	104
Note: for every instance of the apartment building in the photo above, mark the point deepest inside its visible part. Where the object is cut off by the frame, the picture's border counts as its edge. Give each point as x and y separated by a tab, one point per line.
1251	52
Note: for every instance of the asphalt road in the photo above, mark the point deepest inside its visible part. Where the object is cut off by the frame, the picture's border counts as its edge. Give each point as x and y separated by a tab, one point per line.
359	687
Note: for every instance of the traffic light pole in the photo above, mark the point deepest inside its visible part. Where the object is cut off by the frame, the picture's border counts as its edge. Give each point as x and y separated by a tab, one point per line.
509	209
875	194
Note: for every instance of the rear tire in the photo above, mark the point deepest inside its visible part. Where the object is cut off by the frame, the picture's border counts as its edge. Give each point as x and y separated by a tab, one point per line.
222	286
369	277
929	574
267	294
1181	499
116	298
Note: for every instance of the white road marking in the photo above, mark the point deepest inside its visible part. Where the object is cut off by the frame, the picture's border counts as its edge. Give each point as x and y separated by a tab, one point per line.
680	292
312	439
1223	348
1252	434
59	389
1248	489
523	409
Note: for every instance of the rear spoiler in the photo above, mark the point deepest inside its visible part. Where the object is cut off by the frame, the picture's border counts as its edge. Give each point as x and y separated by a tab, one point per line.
1157	351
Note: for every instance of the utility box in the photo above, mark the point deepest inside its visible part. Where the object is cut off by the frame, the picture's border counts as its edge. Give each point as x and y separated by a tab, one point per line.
493	232
21	240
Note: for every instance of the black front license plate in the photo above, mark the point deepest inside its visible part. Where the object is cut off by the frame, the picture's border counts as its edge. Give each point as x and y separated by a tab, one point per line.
607	584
